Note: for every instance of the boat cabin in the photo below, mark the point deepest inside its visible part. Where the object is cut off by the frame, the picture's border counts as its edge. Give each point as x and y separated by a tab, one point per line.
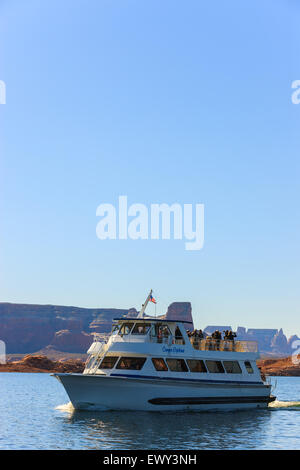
157	345
150	330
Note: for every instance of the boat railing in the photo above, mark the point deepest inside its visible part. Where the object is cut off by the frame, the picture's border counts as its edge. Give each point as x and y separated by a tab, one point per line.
101	337
170	339
223	345
96	352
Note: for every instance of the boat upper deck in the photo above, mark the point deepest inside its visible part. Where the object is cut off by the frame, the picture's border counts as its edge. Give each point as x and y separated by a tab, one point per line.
172	332
167	349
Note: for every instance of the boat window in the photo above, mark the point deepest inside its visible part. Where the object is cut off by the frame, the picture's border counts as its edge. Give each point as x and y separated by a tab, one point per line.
125	328
89	362
249	367
159	364
162	332
178	336
115	329
177	365
215	367
108	362
196	365
141	328
132	363
232	367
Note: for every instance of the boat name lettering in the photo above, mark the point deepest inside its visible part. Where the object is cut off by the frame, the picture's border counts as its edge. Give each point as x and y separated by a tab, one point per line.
173	349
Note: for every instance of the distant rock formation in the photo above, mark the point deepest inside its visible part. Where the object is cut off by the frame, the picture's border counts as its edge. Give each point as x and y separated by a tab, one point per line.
132	313
71	341
263	336
241	332
279	343
211	328
293	342
181	311
103	321
30	328
270	341
27	328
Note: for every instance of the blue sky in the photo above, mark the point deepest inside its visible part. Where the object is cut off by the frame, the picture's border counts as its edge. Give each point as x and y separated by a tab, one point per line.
173	101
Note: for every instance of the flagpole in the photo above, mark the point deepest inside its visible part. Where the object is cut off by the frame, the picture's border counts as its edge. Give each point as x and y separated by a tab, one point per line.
141	314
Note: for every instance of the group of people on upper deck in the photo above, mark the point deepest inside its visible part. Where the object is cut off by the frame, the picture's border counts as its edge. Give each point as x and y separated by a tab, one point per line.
217	335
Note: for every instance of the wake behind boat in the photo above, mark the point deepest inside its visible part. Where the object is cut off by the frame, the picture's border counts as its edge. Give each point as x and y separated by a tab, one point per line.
150	364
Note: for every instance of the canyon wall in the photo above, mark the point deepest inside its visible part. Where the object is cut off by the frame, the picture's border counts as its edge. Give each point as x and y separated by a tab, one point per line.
29	328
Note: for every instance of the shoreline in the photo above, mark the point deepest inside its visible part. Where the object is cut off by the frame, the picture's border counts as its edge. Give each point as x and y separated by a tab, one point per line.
39	363
281	367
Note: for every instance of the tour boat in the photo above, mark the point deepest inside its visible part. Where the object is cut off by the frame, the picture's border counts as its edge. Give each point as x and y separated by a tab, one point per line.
153	364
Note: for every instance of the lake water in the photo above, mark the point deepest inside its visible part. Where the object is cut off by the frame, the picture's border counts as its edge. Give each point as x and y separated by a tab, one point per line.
35	414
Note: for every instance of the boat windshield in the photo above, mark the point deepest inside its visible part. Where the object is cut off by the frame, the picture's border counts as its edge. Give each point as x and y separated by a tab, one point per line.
125	328
115	329
160	333
89	361
141	328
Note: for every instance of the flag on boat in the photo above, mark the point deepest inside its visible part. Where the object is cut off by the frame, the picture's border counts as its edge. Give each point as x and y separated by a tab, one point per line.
152	299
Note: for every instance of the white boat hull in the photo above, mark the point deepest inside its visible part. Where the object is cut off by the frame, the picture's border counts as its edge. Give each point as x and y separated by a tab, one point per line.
96	392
